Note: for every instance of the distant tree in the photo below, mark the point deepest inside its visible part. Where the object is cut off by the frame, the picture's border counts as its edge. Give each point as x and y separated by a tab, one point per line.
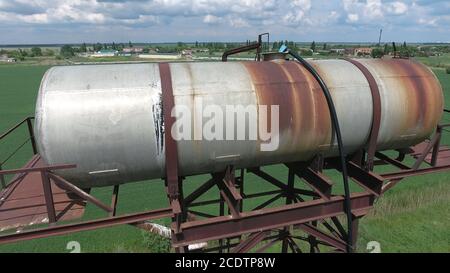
113	46
105	46
130	44
377	53
386	49
36	51
97	47
83	48
306	52
49	52
324	46
313	46
275	46
16	54
66	51
24	53
196	43
405	52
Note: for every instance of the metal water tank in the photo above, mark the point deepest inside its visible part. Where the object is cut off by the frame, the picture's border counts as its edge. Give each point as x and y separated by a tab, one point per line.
107	118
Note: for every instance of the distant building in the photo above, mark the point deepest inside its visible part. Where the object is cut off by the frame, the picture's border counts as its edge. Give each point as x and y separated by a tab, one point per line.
187	53
362	51
135	50
202	50
4	58
339	51
105	53
349	51
160	56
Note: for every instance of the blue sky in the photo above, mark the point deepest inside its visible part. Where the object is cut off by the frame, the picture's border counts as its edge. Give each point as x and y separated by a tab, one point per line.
74	21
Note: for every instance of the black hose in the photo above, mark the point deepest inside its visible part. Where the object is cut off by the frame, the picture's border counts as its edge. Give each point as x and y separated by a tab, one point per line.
335	122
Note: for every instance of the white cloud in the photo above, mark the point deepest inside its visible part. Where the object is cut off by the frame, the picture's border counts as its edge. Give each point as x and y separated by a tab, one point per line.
211	19
353	17
174	16
397	8
298	12
238	22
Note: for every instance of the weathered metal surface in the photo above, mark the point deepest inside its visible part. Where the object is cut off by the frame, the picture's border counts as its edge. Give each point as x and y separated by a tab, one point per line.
376	118
108	119
101	117
411	100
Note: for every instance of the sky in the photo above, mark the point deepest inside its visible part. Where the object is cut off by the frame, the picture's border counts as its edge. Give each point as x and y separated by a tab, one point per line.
76	21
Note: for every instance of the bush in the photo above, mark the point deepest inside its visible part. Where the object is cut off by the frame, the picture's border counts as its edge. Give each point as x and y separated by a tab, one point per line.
156	243
377	53
66	51
36	51
49	52
447	70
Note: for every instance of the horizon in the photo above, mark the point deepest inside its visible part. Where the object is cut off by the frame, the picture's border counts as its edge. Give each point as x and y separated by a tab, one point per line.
223	42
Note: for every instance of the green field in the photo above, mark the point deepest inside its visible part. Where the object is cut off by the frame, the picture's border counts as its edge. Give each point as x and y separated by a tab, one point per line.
412	217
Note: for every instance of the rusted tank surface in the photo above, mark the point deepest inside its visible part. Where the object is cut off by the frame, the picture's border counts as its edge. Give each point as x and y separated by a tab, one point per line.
108	119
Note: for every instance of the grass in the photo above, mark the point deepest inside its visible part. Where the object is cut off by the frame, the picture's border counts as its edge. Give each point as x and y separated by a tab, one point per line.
411	217
436	61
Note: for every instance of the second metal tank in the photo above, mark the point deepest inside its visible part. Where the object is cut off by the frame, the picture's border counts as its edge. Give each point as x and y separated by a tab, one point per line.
107	119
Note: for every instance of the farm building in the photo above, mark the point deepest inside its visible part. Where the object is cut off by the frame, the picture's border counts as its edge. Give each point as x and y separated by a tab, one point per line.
4	58
133	50
105	53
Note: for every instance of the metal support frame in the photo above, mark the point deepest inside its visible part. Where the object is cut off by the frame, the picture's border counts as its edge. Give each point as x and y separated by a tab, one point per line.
310	216
376	121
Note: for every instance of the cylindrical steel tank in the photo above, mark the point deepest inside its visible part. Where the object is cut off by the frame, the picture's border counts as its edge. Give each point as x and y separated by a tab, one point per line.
107	119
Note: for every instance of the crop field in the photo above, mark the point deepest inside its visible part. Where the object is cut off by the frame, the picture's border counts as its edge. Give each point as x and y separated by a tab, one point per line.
414	216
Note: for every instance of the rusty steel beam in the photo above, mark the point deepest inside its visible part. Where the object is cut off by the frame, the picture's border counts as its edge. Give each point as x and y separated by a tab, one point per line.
64	184
267	177
266	246
199	191
114	199
376	120
408	173
48	196
2	179
321	184
315	232
425	152
88	225
239	50
171	149
228	191
265	219
370	181
38	169
10	130
268	202
392	161
293	245
434	154
31	133
250	242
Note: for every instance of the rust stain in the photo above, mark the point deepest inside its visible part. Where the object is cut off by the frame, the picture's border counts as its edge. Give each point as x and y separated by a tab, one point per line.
419	97
303	115
422	95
